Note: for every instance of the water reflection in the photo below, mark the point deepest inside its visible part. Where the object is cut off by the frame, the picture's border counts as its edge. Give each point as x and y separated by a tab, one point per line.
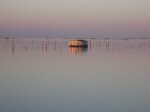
110	47
42	75
78	50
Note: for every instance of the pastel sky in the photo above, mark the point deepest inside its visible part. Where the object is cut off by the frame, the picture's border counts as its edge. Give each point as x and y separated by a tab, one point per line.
74	15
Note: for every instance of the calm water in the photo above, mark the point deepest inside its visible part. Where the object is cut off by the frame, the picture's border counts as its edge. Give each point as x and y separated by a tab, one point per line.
40	75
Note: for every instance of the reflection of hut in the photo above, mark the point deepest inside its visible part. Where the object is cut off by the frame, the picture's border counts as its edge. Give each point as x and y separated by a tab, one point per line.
78	43
77	50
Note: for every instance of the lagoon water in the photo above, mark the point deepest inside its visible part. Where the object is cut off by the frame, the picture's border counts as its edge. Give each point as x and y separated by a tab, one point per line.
45	75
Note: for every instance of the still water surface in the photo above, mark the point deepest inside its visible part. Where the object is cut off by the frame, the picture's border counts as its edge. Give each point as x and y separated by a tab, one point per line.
45	75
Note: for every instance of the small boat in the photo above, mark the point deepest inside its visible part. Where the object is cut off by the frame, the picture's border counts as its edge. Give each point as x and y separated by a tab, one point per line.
78	43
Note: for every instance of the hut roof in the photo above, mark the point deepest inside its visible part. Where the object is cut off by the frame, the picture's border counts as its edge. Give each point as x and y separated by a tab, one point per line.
79	40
